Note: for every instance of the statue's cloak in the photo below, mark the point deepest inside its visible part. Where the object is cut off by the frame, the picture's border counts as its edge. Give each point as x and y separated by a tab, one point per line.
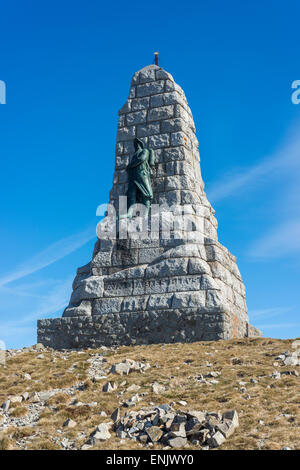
139	171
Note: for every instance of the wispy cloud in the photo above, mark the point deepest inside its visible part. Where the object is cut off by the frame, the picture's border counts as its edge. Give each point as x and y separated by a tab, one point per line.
264	313
285	159
278	242
284	166
55	301
280	325
50	255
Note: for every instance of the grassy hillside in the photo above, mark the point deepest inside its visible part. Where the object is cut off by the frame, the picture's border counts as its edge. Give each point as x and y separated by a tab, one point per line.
252	380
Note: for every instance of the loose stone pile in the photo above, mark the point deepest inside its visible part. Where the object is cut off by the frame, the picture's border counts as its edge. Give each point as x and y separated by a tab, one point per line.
127	366
163	425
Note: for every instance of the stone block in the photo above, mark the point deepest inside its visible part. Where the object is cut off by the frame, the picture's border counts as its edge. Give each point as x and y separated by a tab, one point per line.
180	138
198	266
126	108
148	129
178	182
117	288
189	300
89	288
147	75
148	255
102	258
126	133
167	268
159	113
170	85
83	309
163	75
207	282
159	141
158	301
216	439
172	125
170	198
140	103
107	305
150	88
136	117
135	303
174	154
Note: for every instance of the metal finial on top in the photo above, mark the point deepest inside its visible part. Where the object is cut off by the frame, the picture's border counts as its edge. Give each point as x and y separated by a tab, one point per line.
156	58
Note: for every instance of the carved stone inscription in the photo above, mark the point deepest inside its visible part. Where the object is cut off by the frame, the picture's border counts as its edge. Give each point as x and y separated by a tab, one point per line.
152	286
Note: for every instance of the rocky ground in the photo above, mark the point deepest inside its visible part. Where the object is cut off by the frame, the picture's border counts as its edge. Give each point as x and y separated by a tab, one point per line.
237	394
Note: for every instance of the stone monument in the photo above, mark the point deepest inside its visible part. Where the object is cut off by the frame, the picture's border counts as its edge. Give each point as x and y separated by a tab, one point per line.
176	283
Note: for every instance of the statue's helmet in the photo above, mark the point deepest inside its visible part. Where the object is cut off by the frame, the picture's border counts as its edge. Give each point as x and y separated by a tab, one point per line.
138	143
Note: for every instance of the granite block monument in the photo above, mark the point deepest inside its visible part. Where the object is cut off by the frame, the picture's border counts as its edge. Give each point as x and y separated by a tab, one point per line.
158	273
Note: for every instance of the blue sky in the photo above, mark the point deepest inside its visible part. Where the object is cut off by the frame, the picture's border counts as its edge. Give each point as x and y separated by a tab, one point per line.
67	68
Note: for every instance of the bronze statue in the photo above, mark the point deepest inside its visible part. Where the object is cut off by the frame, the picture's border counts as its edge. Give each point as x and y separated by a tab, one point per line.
139	177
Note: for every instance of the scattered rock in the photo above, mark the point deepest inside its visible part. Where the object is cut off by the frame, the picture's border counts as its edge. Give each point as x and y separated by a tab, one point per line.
5	406
177	442
132	401
127	366
133	388
116	415
231	415
97	378
236	361
122	368
216	439
289	358
291	361
154	433
109	387
177	429
275	375
16	399
158	388
101	433
290	372
212	374
34	398
44	396
69	423
86	447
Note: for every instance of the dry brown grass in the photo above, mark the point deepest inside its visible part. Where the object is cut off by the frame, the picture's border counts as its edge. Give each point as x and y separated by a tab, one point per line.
5	442
43	444
175	366
19	411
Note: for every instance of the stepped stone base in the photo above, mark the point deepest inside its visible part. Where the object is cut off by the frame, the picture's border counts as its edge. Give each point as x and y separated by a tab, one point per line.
117	329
